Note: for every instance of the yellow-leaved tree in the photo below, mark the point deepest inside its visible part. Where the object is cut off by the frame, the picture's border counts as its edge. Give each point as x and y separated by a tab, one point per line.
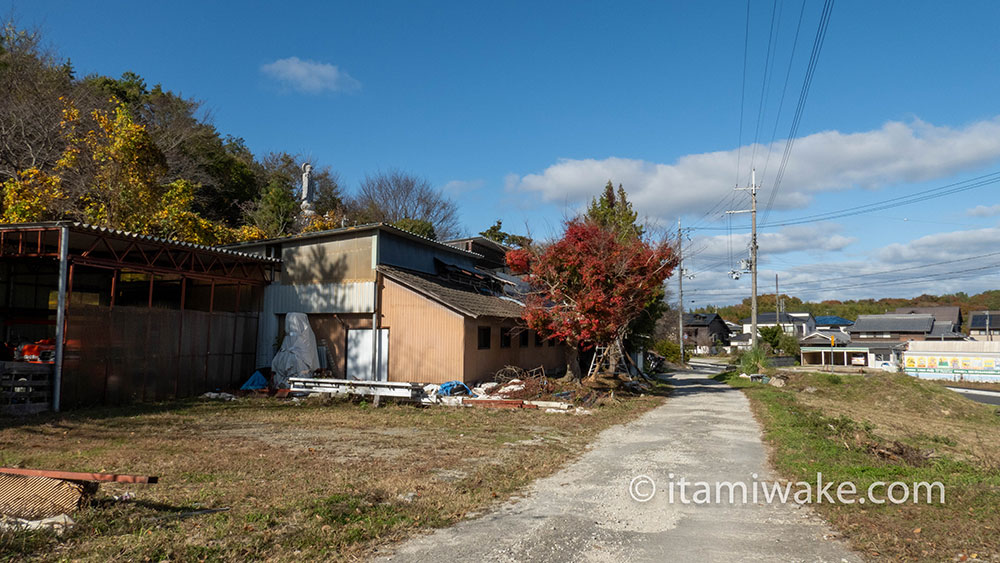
110	177
35	194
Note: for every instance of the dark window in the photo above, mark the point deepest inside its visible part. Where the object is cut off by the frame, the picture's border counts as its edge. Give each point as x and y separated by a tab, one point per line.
538	339
523	339
505	338
485	335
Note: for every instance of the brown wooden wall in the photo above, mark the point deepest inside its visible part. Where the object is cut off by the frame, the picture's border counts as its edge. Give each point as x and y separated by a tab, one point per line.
426	339
481	365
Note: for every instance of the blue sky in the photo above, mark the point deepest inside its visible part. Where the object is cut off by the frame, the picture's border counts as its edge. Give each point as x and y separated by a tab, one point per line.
522	111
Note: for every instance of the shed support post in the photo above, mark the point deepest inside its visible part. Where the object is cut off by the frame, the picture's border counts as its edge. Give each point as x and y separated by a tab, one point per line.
60	318
375	338
180	340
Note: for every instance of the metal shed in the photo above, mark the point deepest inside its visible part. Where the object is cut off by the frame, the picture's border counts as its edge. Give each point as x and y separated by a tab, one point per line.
133	317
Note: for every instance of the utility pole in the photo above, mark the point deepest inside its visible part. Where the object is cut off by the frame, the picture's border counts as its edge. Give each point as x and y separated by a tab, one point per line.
777	306
680	289
753	254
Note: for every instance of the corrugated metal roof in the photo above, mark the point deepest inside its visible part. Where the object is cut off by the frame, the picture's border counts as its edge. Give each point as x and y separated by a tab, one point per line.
461	298
833	320
354	228
894	323
84	228
945	313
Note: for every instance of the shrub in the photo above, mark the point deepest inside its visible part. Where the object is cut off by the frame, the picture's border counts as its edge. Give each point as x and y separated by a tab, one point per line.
754	360
669	349
788	344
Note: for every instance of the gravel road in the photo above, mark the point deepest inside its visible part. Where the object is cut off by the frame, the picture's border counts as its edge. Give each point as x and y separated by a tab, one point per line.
585	512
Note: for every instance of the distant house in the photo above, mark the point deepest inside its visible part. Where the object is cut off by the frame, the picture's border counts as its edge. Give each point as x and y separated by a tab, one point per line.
877	341
985	325
705	331
833	322
951	315
796	324
826	338
740	341
892	327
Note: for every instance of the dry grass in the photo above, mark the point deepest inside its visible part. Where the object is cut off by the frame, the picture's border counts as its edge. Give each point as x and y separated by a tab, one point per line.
891	427
302	481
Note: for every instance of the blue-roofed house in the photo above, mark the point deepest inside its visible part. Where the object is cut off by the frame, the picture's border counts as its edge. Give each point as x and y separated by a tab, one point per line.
827	323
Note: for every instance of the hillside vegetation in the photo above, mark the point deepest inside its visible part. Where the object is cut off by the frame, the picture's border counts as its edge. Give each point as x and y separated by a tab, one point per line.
987	300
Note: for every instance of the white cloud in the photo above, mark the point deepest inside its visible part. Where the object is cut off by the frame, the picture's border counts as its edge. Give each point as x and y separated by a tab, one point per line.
310	77
456	187
984	211
943	246
811	238
936	264
825	161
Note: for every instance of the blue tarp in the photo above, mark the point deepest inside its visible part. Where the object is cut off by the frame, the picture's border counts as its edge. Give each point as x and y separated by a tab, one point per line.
256	381
454	388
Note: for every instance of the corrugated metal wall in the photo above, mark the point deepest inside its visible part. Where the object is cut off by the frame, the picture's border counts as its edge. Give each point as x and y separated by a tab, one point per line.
425	339
354	297
402	252
481	365
128	354
334	261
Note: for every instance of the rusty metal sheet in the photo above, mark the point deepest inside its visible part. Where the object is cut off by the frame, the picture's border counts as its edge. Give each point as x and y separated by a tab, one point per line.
37	497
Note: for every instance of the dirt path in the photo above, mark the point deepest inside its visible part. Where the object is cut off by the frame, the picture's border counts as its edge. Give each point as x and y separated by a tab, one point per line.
705	432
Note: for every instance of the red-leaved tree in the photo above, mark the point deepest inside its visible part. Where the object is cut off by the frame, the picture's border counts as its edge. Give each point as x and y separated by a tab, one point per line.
589	285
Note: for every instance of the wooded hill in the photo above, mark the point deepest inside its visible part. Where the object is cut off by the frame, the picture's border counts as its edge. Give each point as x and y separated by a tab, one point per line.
118	153
988	300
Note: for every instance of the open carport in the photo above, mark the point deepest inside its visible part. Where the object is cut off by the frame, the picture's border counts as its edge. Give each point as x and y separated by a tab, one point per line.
132	317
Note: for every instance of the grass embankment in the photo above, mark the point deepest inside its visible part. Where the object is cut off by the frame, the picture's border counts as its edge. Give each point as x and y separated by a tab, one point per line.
302	481
888	428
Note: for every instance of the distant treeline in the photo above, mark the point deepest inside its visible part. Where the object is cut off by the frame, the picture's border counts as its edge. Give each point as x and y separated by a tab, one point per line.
988	300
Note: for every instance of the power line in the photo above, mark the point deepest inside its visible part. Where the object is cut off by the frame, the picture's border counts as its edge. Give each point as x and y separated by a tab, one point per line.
899	201
954	274
743	93
762	101
818	40
784	88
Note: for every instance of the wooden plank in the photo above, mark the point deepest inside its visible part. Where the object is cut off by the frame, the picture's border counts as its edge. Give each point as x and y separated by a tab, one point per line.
80	476
499	403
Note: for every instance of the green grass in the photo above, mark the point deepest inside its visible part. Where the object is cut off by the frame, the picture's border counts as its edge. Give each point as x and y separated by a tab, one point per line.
837	425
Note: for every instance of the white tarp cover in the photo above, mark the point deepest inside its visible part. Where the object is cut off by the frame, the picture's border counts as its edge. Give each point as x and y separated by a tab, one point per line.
298	356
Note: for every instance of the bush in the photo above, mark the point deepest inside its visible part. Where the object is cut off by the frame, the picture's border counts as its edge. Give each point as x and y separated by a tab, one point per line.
754	360
788	344
669	349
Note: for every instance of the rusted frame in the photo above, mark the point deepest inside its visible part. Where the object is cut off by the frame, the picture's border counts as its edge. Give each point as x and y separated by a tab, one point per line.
208	339
24	246
110	264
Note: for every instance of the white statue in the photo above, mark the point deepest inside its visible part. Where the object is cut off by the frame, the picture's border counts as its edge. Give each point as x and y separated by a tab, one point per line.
307	194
